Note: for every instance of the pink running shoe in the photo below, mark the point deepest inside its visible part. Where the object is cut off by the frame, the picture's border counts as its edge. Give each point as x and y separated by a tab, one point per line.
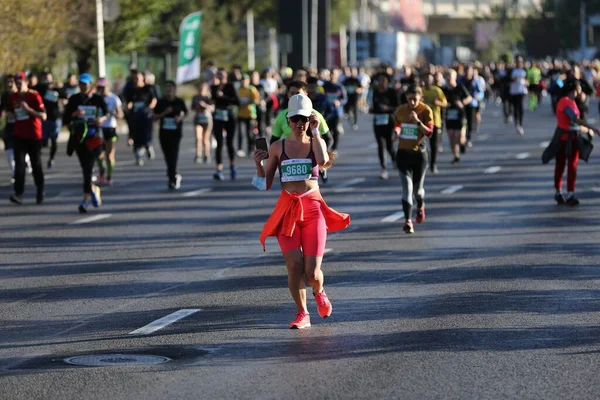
323	304
302	321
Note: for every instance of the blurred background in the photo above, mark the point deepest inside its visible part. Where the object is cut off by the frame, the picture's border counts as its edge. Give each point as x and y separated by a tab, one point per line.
61	36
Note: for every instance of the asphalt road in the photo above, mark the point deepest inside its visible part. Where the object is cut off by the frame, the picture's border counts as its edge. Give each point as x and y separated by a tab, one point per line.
496	295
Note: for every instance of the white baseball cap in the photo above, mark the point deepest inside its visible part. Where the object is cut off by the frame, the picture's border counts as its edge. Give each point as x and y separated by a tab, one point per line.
299	105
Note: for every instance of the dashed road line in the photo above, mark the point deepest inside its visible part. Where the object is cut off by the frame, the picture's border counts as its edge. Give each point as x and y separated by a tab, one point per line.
544	144
432	268
522	156
345	187
90	219
394	217
452	189
196	192
492	170
164	321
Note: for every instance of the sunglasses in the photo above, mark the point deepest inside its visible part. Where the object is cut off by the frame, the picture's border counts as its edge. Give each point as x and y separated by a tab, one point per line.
299	118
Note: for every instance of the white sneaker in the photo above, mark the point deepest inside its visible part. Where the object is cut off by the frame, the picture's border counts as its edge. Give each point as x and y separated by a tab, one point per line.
241	153
29	169
520	130
177	181
384	174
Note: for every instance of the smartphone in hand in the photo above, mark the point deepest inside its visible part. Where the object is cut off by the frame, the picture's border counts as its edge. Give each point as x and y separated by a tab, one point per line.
261	144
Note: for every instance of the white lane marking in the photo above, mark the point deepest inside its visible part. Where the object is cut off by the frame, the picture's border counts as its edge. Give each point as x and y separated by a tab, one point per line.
432	268
164	321
522	156
196	192
545	144
90	219
483	137
328	251
452	189
351	182
394	217
596	189
492	170
35	297
345	187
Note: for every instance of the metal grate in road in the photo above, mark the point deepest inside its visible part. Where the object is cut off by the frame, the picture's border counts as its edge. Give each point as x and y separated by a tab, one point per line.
108	360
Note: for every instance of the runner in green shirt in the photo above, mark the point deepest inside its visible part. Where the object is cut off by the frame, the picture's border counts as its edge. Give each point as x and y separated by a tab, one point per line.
534	77
281	128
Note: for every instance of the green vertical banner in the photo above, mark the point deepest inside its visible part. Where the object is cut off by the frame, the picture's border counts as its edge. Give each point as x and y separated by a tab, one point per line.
188	67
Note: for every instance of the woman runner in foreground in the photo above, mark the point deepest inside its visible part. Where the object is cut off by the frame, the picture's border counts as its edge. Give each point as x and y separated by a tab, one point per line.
301	218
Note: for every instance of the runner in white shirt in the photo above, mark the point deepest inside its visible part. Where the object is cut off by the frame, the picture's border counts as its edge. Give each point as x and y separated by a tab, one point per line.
518	91
109	130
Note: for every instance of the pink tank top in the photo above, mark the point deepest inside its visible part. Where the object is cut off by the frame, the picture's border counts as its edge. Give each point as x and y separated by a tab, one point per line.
297	172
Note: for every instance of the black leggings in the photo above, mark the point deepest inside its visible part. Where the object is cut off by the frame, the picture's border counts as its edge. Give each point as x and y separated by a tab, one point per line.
506	107
413	168
22	147
248	124
433	142
87	159
218	128
352	110
169	142
53	147
334	128
383	135
470	115
518	108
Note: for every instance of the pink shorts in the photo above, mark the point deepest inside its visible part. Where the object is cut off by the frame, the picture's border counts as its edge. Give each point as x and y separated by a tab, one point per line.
309	235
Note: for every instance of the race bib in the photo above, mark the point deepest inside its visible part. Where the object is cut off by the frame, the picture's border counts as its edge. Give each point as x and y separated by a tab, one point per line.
139	105
21	114
351	89
333	97
382	119
296	170
90	112
202	119
244	101
51	95
452	114
222	115
409	132
169	124
71	91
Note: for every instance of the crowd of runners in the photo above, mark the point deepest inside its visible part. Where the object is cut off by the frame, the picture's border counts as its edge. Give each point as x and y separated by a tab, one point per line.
232	109
293	122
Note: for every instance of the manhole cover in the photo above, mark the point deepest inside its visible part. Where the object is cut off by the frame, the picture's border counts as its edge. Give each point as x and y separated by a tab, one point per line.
103	360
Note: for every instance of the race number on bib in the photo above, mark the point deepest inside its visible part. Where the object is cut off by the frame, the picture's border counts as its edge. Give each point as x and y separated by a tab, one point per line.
21	114
222	115
202	119
452	114
382	119
139	106
169	124
351	89
90	112
409	132
51	95
296	170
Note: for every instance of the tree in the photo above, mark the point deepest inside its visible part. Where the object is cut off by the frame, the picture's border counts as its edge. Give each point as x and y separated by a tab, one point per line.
223	33
137	21
30	32
509	35
566	20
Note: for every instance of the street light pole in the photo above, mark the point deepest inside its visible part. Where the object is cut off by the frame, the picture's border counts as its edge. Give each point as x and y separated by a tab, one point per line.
582	27
100	34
